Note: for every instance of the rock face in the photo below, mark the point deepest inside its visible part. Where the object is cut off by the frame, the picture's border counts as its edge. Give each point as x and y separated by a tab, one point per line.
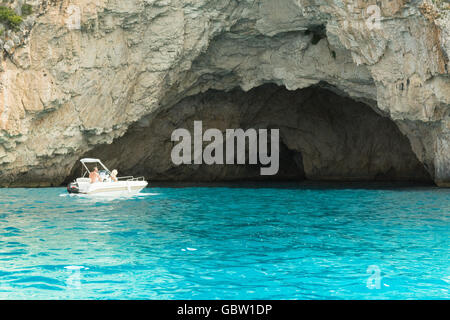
113	78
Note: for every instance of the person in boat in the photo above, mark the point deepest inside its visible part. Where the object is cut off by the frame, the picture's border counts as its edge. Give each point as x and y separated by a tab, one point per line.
94	176
114	175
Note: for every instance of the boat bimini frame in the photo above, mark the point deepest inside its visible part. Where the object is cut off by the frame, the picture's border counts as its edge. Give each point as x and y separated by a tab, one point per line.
106	170
91	160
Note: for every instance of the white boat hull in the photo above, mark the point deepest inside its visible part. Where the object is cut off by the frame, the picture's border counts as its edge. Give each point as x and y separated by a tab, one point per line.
120	188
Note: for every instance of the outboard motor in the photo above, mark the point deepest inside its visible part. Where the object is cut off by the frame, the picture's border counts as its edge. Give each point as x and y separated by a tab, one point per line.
73	187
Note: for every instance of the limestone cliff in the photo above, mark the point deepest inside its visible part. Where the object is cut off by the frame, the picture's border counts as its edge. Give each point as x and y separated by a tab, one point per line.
360	89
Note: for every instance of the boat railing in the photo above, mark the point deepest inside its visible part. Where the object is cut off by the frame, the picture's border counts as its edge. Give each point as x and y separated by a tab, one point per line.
131	178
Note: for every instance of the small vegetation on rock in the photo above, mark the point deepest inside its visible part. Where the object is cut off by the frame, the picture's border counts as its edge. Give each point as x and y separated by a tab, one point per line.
9	18
27	10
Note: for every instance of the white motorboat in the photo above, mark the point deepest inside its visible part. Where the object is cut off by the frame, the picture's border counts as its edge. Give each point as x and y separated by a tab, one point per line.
106	185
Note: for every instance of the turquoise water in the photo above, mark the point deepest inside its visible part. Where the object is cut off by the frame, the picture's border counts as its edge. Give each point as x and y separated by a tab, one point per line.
286	242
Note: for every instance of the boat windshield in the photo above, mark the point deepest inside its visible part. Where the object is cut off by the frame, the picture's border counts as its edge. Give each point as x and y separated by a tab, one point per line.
88	167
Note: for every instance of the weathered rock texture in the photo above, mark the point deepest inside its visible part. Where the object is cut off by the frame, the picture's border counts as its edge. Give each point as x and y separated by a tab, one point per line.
68	91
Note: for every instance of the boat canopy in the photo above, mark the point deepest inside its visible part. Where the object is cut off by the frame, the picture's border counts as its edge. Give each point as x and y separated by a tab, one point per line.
90	160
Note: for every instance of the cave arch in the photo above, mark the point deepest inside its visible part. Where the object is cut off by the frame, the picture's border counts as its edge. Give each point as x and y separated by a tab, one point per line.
324	136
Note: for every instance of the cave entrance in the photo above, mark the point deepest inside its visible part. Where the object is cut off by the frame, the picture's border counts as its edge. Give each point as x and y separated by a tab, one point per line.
323	136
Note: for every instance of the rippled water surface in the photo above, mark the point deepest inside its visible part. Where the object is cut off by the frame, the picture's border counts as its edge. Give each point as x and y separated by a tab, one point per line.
283	242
